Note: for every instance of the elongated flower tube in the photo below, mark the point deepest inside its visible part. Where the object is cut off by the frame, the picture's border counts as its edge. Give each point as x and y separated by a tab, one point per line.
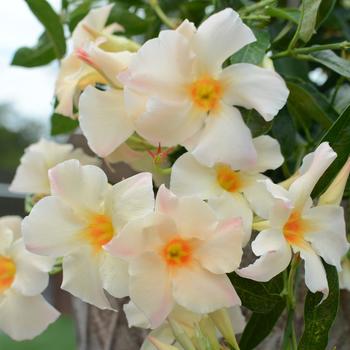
295	225
24	313
230	192
32	173
180	253
179	93
83	214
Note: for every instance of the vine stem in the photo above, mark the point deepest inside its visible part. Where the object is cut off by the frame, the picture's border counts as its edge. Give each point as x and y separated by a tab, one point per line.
255	7
160	13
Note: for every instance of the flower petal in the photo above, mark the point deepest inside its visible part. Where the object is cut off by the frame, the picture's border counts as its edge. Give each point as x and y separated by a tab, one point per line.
268	265
267	241
201	291
103	119
328	233
51	228
24	317
83	188
150	288
135	317
218	37
225	139
82	277
250	86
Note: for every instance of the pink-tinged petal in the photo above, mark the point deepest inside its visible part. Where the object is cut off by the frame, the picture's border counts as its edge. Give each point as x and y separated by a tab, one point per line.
150	287
161	67
51	228
268	265
201	291
250	86
114	276
232	205
166	201
130	199
190	178
218	37
222	253
225	139
302	187
327	233
83	188
267	241
24	317
169	122
269	154
82	277
315	274
103	119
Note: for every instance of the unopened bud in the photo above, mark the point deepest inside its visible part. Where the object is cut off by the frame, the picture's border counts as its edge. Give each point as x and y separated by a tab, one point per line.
209	331
180	335
160	345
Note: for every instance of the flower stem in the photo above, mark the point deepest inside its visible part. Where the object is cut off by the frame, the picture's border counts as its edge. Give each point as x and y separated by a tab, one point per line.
160	13
254	7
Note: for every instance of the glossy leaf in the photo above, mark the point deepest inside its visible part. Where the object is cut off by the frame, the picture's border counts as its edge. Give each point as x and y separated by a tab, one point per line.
260	326
308	19
51	21
318	318
257	296
39	55
332	61
257	125
338	137
62	125
324	11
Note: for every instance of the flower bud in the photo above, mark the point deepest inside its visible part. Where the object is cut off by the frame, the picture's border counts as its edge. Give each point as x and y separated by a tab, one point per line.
160	345
180	335
208	329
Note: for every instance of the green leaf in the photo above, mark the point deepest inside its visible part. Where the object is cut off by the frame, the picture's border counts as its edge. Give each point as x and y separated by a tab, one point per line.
255	122
338	137
332	61
39	55
324	11
318	318
260	326
307	24
257	296
288	13
51	21
253	53
62	125
342	99
304	102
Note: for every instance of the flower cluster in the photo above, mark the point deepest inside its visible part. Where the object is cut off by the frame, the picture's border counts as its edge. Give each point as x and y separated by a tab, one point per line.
171	253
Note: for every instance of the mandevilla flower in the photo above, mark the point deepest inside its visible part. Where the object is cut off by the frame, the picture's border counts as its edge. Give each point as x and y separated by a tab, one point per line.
82	214
24	313
32	173
230	192
178	92
295	225
180	254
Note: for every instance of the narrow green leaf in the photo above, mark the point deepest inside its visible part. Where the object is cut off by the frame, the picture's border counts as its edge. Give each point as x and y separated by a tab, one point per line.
257	125
51	21
62	125
318	318
332	61
324	11
308	19
42	53
260	326
288	13
338	137
253	53
257	296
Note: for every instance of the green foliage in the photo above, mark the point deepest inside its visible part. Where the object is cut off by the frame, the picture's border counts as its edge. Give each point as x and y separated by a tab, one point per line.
318	318
308	19
62	125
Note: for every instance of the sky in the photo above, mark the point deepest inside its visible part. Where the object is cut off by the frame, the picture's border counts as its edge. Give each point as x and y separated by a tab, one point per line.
28	90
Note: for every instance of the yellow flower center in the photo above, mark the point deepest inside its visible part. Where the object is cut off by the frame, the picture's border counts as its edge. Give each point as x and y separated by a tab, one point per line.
206	93
7	273
228	179
177	252
295	228
99	231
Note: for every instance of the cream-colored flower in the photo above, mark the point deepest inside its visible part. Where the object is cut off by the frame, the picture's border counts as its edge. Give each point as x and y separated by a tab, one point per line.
24	313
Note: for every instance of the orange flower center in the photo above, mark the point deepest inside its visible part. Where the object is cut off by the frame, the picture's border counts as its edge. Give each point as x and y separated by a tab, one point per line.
206	93
99	231
7	273
228	179
294	229
177	252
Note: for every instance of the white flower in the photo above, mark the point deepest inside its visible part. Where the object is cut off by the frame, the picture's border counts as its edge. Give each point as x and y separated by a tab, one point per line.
32	174
295	225
230	192
24	313
84	213
180	253
178	92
